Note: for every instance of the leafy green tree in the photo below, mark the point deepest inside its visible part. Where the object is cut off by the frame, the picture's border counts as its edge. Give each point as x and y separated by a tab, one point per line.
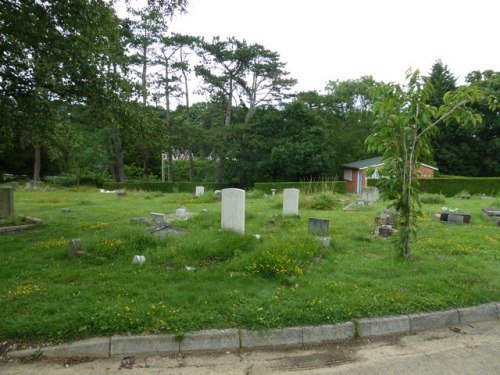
405	124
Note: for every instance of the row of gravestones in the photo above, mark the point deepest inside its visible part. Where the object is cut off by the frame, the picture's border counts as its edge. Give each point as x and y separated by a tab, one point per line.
233	207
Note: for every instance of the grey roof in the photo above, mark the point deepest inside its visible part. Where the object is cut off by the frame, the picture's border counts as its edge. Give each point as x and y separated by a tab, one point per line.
373	162
363	164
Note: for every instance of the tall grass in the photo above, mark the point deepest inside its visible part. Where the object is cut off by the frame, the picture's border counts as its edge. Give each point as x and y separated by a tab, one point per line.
210	278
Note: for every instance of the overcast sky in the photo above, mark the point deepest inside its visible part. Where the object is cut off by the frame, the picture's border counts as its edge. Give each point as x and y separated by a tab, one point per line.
322	40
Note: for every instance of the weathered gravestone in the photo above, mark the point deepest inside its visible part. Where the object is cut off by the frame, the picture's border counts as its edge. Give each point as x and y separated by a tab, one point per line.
233	210
180	212
370	194
273	192
6	203
318	226
200	190
291	202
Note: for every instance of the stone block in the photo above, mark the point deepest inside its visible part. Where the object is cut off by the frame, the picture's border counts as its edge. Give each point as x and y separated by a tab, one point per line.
213	340
423	321
328	333
383	326
157	217
478	313
370	194
271	338
129	345
6	203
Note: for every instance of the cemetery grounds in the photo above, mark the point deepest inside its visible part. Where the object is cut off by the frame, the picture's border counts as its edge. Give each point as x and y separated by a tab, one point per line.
210	278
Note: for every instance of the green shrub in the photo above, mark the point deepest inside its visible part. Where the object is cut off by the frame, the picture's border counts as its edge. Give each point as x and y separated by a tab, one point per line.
432	198
320	201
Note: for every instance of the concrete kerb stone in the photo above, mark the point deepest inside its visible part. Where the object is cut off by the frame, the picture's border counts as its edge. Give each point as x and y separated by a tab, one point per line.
478	313
271	338
142	344
383	326
225	339
91	348
233	339
328	333
438	319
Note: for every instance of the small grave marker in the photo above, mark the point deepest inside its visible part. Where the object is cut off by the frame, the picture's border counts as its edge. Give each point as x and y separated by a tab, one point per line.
157	218
200	190
290	201
318	226
180	212
273	192
233	210
74	247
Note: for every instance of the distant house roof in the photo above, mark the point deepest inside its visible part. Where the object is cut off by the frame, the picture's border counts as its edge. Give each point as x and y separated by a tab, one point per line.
364	164
374	162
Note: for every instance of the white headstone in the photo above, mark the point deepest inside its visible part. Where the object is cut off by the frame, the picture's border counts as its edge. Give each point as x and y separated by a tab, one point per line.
180	212
290	201
233	210
200	190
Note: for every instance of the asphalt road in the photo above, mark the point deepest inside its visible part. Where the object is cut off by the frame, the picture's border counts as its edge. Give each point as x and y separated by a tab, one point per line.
461	349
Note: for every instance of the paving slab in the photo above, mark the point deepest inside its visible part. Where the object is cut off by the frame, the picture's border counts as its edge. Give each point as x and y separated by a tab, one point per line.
438	319
121	345
270	338
328	333
91	348
383	326
213	340
478	313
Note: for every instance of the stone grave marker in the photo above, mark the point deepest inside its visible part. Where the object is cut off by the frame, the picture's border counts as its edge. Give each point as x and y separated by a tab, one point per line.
200	190
157	218
14	184
74	247
233	210
273	192
290	201
370	194
455	217
6	203
318	226
180	212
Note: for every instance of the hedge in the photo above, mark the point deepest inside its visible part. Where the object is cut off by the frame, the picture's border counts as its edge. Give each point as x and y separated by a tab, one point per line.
454	186
166	187
308	187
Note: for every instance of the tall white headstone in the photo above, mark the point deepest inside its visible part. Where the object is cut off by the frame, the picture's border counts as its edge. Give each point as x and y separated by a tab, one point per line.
290	201
233	210
200	190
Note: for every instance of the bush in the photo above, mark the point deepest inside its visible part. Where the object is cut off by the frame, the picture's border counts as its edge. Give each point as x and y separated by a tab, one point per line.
432	198
322	201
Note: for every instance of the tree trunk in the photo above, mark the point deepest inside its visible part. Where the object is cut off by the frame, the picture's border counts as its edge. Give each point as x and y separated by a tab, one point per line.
116	157
145	165
220	170
37	164
170	166
190	166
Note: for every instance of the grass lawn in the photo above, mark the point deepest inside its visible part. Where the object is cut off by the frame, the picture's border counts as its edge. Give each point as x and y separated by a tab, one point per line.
210	278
